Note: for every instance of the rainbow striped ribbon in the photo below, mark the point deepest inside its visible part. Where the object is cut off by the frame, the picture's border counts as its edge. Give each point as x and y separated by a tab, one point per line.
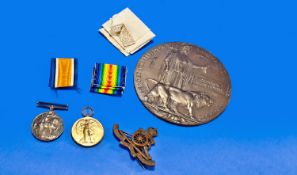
109	79
63	73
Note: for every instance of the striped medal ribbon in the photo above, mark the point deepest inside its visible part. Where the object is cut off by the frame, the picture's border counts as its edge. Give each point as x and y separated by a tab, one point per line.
108	79
63	73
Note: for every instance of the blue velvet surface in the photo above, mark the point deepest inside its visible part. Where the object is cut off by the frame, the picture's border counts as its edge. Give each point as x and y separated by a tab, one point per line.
256	41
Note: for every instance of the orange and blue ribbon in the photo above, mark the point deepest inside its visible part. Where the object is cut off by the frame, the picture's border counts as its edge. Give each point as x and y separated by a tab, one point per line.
63	73
109	79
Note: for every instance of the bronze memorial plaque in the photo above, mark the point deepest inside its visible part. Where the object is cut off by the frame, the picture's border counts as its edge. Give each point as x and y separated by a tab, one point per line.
182	83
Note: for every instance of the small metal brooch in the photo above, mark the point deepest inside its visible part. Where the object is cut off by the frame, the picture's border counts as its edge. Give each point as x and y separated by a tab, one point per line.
138	143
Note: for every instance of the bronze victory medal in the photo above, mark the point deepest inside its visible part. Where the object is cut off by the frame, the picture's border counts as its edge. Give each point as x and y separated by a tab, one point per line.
182	83
87	131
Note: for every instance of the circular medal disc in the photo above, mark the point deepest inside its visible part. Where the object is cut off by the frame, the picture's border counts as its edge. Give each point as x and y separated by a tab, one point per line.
87	131
47	126
182	83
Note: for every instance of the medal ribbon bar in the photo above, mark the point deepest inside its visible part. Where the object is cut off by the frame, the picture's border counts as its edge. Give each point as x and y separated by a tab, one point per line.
63	73
108	79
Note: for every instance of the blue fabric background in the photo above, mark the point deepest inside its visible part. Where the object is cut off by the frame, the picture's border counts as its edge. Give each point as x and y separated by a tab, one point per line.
256	41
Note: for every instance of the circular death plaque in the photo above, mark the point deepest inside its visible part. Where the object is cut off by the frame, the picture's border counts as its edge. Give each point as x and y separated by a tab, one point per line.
182	83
